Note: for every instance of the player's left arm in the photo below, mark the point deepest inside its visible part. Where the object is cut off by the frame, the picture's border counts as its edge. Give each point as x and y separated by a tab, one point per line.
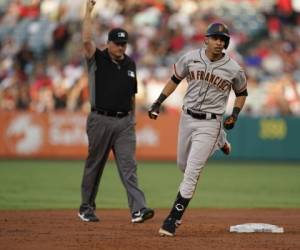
241	96
240	101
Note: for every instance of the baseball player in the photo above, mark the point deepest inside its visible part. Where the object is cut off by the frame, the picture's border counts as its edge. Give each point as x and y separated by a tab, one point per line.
210	74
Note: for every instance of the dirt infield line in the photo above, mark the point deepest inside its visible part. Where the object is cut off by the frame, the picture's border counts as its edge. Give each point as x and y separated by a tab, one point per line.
201	229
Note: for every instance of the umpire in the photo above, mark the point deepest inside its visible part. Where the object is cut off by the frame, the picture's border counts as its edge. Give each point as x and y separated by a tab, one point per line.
111	123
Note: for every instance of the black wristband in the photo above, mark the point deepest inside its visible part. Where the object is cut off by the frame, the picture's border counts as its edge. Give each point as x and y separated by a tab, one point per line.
175	79
243	93
161	98
235	112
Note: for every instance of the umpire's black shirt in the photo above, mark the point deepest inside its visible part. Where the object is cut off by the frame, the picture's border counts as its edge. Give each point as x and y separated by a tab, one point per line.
111	85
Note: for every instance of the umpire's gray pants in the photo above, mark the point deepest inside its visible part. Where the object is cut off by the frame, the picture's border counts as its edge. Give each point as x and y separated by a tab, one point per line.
106	133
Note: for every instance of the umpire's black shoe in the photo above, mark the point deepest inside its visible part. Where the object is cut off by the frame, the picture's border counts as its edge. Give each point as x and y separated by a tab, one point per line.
88	216
142	215
169	227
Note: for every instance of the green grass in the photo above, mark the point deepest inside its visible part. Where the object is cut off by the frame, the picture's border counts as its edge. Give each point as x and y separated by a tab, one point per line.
56	184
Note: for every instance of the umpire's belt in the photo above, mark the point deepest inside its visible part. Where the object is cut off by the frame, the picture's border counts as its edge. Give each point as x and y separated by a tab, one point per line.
118	114
202	116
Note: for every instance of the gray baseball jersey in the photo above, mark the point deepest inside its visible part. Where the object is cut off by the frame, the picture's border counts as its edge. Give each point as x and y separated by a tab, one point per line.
209	85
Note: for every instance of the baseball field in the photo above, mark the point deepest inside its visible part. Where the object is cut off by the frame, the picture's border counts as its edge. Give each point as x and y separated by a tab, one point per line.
39	201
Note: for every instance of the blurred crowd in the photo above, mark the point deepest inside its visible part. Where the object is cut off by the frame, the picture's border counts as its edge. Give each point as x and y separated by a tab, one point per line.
42	67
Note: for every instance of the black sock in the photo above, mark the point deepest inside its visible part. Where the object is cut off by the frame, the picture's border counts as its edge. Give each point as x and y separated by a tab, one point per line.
179	207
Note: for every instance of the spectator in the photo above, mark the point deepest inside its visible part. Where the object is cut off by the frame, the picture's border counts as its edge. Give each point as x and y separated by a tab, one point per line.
25	59
265	33
60	37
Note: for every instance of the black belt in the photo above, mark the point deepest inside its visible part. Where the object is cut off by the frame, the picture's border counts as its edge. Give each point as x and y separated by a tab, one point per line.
118	114
202	116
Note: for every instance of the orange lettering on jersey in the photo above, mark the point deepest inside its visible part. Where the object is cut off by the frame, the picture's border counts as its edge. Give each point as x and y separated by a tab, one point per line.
192	75
207	76
219	84
212	78
226	85
215	81
202	75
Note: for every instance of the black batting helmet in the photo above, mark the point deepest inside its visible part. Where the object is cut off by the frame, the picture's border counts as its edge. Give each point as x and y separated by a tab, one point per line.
219	29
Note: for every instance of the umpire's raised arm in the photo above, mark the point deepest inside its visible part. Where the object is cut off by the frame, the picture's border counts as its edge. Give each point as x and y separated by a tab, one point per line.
88	43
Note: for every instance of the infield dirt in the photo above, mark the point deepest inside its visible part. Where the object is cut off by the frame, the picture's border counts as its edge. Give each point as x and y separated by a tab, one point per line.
201	229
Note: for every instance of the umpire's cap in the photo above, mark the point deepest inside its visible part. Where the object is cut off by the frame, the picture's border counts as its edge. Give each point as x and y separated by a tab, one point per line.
219	29
118	35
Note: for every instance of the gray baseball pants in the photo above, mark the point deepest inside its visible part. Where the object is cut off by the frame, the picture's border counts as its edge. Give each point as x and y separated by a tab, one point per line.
106	133
197	141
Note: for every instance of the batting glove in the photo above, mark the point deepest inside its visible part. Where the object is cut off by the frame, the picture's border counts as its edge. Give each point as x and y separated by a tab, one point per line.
229	122
154	111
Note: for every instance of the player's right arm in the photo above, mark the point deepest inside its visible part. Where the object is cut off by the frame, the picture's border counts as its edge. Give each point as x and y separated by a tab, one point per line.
167	90
180	72
89	45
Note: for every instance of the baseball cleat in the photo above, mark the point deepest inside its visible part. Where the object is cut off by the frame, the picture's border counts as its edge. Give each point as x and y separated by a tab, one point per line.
142	215
226	149
162	232
169	227
88	217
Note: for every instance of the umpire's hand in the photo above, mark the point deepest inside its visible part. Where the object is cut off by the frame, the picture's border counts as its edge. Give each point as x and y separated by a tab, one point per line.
154	111
90	5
